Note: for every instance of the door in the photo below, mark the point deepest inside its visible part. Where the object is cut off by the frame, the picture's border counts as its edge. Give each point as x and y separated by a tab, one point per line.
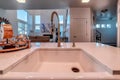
78	30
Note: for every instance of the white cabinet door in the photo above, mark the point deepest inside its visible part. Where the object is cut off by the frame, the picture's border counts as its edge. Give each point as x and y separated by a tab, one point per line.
79	30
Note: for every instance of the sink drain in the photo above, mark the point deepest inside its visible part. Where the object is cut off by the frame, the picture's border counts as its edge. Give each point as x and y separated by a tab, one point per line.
75	70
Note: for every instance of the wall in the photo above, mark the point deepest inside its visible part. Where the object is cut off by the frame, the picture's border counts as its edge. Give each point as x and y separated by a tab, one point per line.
109	35
11	15
106	16
2	12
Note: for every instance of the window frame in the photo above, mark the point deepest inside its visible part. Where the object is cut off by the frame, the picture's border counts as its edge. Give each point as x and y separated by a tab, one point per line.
25	30
24	27
37	24
23	19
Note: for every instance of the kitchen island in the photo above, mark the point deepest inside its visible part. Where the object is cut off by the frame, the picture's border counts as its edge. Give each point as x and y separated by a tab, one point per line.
107	57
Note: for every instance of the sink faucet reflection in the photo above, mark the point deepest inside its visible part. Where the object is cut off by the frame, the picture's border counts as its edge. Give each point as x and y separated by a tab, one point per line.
52	17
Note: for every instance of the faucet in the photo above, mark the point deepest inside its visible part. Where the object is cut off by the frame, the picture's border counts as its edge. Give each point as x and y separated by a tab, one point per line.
52	17
73	44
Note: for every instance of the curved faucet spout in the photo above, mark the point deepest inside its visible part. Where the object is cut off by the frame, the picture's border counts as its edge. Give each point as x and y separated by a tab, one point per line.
52	17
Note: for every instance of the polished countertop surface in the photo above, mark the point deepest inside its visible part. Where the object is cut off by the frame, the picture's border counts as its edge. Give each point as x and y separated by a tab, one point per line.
107	55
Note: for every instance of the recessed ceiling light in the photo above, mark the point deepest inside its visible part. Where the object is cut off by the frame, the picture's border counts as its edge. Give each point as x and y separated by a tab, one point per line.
85	1
21	1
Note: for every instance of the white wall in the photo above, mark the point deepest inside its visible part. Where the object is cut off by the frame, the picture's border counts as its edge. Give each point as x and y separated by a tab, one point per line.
2	12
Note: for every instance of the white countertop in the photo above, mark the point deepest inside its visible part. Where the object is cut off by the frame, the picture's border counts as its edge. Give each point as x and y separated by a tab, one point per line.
107	55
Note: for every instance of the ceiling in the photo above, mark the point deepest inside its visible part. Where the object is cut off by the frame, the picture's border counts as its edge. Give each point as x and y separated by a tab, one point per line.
57	4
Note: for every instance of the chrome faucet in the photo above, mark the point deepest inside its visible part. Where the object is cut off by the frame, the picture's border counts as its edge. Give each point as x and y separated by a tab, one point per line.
52	17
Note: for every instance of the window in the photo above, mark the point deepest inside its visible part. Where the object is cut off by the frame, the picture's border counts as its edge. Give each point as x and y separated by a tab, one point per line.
37	28
108	25
22	15
103	26
37	23
61	31
61	24
37	19
26	29
97	25
61	19
22	28
68	19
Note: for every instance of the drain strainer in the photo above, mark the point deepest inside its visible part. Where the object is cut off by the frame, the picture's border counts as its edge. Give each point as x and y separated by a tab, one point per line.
75	70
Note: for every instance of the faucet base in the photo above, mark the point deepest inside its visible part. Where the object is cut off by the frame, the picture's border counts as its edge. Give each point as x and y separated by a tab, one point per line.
59	45
73	44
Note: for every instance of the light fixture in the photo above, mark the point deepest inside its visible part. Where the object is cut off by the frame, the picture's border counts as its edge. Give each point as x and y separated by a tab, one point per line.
85	1
21	1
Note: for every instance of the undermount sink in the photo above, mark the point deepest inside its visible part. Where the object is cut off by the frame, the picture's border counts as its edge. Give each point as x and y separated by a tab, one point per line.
54	62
